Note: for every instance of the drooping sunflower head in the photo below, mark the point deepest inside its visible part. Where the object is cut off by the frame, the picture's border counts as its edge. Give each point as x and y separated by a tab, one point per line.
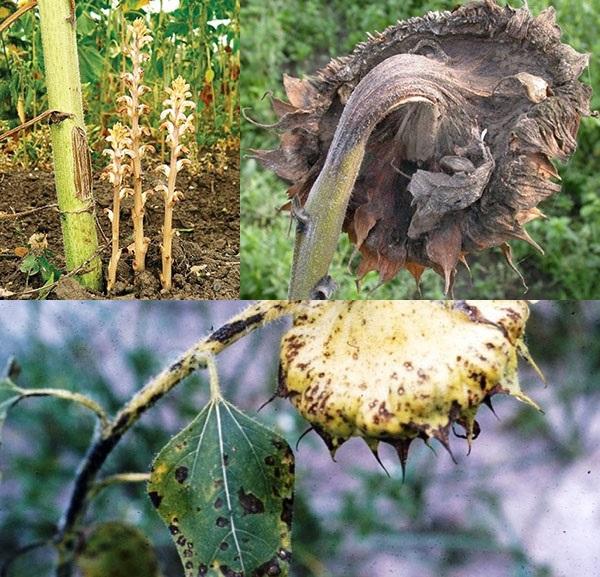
452	120
393	371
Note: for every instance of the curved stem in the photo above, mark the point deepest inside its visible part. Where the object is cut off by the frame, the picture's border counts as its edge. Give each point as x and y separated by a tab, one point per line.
251	318
8	21
118	478
69	396
397	81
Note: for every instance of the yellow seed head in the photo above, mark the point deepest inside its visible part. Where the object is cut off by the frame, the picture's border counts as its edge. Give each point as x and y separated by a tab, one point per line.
395	370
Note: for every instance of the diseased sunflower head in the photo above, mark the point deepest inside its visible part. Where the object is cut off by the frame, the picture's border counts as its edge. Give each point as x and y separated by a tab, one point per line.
392	371
451	122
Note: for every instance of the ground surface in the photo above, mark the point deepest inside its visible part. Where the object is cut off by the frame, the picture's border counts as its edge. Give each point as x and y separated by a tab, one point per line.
207	220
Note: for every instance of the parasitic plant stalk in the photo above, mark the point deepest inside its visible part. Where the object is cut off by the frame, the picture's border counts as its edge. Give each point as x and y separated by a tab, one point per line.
116	171
177	123
132	107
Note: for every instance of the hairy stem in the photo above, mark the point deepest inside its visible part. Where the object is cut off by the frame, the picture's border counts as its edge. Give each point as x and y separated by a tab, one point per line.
72	161
397	81
117	478
251	318
69	396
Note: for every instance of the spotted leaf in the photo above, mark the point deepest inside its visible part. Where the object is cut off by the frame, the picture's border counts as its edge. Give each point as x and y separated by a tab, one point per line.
224	487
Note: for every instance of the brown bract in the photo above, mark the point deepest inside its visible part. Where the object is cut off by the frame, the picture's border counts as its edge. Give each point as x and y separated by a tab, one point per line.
460	114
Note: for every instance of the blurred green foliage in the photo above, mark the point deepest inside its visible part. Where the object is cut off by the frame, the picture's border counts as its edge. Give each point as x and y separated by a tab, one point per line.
299	36
191	40
348	515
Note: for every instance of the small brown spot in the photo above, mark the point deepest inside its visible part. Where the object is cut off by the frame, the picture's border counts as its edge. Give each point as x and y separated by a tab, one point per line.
181	474
270	568
287	511
175	366
270	460
218	503
155	498
202	570
224	546
222	522
174	529
225	570
250	503
229	330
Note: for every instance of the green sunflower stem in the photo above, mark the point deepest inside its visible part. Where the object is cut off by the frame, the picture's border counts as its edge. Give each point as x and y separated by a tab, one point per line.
396	82
72	163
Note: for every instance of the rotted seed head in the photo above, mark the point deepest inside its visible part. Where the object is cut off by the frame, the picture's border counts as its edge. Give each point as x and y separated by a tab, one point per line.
454	118
394	371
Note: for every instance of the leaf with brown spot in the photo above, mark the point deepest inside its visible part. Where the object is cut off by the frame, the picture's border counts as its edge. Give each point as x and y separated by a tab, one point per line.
226	488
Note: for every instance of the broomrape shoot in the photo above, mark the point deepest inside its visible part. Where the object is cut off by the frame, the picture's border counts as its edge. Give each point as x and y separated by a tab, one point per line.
177	124
116	171
132	110
127	150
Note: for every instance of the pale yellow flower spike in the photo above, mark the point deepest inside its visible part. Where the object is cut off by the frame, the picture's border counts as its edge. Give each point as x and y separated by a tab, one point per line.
116	171
177	123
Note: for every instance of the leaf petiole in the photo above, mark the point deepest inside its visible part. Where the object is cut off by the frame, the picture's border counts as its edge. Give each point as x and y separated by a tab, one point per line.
69	396
213	375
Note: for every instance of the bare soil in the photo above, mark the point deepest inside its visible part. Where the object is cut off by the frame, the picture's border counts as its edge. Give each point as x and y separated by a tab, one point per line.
205	252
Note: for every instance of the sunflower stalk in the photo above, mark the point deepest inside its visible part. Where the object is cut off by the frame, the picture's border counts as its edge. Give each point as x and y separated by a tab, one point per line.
72	161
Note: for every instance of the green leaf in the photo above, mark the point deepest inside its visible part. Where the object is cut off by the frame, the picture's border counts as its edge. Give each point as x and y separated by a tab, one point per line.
90	61
117	550
224	487
30	265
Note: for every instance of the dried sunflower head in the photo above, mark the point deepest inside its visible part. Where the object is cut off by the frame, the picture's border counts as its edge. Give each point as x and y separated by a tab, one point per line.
440	130
392	371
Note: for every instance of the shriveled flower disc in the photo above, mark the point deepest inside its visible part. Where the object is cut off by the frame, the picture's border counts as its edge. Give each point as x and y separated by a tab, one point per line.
443	129
396	370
